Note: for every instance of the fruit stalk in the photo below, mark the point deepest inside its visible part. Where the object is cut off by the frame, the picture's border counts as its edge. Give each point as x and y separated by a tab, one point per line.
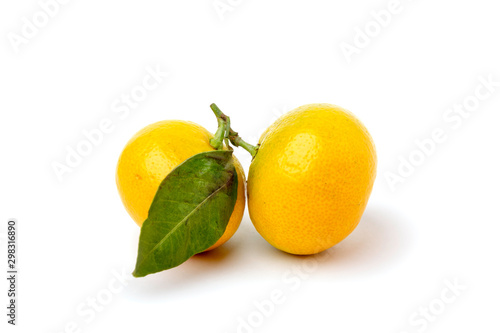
219	135
230	134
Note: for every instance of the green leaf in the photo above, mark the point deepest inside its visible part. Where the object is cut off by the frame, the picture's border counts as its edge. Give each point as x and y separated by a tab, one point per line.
189	213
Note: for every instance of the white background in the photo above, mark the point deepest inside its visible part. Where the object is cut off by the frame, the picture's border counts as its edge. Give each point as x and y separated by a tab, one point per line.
257	61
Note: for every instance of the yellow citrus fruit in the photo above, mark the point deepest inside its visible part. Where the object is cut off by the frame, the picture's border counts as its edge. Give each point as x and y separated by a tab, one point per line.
311	179
156	150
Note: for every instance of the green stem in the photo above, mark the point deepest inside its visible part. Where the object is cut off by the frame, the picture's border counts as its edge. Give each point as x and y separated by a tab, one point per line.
219	135
226	133
233	136
237	141
218	113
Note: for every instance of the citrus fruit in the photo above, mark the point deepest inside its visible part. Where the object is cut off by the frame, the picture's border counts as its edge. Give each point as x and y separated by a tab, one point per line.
311	178
152	153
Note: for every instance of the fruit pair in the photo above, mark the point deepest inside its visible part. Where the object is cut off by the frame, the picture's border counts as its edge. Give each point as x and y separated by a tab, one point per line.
308	184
